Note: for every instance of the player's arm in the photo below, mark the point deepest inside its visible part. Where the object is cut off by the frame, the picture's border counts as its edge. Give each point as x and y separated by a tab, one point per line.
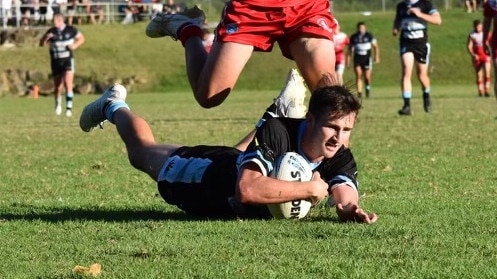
45	38
470	46
347	205
376	49
396	23
433	18
78	41
253	187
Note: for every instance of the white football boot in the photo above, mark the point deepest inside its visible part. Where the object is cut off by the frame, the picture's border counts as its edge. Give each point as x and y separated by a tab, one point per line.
168	24
290	101
93	114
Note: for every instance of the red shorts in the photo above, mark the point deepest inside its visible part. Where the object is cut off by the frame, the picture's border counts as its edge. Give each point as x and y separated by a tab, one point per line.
340	57
481	60
262	26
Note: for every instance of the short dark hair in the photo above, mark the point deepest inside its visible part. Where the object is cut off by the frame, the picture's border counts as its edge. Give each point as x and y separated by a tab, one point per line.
360	23
334	101
476	22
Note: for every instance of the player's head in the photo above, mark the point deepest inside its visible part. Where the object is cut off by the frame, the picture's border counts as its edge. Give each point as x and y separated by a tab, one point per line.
477	24
333	102
58	20
361	27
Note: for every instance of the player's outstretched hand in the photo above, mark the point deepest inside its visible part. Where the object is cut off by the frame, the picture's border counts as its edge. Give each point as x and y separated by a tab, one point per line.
355	213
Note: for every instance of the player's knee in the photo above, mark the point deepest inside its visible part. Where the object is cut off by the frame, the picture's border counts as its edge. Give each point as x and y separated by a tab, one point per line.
209	100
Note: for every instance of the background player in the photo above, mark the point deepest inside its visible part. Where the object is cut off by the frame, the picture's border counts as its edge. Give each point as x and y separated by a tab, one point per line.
411	20
362	46
63	40
481	60
341	41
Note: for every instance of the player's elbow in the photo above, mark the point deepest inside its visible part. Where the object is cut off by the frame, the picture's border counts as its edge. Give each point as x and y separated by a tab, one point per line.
245	194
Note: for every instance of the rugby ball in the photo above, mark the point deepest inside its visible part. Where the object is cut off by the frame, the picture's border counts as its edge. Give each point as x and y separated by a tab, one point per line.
291	166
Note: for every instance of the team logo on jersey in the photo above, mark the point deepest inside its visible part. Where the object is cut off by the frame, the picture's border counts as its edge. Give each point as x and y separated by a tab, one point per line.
322	22
231	28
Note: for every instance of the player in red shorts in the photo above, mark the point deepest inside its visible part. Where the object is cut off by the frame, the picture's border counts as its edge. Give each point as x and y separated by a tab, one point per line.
341	41
303	30
481	60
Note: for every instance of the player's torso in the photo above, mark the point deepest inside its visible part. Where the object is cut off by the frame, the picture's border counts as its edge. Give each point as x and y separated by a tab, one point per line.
60	41
412	27
341	40
362	43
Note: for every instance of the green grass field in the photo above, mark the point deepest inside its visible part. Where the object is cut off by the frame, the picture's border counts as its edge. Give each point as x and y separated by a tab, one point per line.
69	198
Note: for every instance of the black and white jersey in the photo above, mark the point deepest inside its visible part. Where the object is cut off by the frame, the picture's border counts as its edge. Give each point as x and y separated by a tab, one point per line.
60	40
280	135
413	29
362	43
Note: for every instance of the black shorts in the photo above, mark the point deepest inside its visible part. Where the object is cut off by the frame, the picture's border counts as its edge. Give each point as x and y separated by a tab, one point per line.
421	52
60	66
199	180
363	61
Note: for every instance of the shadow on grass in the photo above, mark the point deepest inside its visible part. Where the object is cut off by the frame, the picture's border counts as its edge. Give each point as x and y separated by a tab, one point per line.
51	214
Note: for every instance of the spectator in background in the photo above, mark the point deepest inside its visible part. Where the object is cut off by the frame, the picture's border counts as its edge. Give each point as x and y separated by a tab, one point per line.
71	11
95	12
411	20
207	39
27	11
6	12
471	5
362	44
63	40
481	59
341	41
43	12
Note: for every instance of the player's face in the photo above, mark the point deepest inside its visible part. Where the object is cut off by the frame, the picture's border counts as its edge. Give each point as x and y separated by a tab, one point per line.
479	27
325	136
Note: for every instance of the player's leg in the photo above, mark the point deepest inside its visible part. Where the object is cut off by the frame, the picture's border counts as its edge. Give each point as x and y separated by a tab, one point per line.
289	103
424	79
488	76
315	58
358	79
58	81
479	76
143	152
213	76
367	80
407	64
340	69
68	83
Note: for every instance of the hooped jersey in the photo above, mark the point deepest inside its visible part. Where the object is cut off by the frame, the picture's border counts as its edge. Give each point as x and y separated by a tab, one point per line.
280	135
362	43
61	40
412	28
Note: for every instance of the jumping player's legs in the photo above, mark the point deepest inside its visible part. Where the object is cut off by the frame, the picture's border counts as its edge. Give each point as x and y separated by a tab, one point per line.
315	58
213	76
